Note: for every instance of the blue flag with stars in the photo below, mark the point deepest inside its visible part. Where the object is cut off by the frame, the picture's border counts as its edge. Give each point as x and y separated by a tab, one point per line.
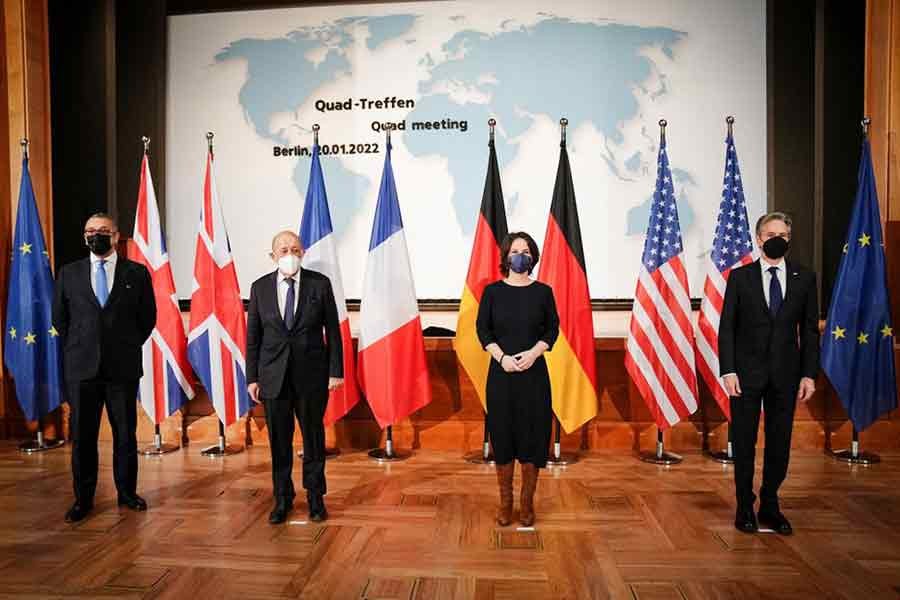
858	351
31	349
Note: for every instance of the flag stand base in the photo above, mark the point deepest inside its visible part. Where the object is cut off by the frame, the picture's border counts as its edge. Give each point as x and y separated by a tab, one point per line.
854	456
726	456
40	444
860	458
481	457
388	454
661	456
721	456
158	448
222	448
330	453
560	458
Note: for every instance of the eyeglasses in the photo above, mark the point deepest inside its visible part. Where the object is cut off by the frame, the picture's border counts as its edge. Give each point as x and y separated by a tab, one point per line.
101	231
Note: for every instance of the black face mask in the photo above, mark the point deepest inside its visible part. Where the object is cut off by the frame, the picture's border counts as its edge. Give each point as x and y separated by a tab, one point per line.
776	247
99	244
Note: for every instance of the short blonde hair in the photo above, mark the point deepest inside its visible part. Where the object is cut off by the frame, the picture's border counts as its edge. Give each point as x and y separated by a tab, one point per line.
773	216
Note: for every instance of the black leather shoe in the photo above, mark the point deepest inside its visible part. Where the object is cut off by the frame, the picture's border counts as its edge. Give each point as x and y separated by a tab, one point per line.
133	501
774	520
317	510
280	513
745	521
78	511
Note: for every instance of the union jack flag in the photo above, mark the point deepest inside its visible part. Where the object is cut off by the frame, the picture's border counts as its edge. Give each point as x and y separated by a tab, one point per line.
165	386
218	327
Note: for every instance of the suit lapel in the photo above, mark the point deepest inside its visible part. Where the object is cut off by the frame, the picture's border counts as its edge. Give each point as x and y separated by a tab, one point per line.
302	291
86	278
272	300
760	289
119	282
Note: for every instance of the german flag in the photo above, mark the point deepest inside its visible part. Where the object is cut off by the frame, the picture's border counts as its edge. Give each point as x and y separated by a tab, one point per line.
484	268
573	372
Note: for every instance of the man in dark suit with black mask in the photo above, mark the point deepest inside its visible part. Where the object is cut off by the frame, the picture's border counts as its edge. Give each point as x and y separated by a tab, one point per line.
768	353
294	358
103	310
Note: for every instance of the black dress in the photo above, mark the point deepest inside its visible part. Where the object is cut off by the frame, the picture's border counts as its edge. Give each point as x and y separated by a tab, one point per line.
519	411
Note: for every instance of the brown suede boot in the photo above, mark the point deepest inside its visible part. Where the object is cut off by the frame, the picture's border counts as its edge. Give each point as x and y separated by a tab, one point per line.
526	500
505	483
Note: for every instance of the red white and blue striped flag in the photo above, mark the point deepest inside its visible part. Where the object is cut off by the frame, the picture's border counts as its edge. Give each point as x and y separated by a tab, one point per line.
392	369
732	248
317	237
218	327
659	354
165	386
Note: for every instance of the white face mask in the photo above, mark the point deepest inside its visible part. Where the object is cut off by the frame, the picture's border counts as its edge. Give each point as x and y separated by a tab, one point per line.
289	264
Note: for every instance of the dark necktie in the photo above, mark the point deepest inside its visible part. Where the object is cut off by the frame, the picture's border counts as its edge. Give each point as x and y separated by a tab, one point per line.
776	298
289	304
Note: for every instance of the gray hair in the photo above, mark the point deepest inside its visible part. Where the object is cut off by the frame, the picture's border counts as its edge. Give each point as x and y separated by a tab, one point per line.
773	216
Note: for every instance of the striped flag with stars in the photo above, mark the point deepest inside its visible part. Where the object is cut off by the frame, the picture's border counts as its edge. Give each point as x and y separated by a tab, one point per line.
31	351
858	351
732	248
659	353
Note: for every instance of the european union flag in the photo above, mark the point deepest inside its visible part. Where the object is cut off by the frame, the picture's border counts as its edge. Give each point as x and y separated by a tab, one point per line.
31	345
858	351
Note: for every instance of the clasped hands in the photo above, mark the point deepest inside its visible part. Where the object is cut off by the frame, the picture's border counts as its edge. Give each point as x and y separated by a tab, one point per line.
514	363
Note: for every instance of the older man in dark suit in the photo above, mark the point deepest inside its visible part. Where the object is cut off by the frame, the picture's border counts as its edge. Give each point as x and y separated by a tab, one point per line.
768	352
103	310
294	358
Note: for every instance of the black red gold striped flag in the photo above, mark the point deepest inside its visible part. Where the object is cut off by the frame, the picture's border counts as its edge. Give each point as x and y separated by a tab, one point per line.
484	268
573	371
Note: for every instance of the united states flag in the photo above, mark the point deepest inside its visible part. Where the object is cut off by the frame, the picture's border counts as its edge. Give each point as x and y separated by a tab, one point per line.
218	328
165	386
659	354
732	247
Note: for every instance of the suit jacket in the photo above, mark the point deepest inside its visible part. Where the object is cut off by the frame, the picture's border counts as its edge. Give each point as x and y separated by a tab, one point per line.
762	349
310	355
103	341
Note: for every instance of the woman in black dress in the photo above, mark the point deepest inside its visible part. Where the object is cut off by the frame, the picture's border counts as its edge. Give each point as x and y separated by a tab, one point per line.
517	322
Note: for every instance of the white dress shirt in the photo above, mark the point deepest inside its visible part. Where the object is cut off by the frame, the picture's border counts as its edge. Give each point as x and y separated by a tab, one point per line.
283	290
767	277
110	267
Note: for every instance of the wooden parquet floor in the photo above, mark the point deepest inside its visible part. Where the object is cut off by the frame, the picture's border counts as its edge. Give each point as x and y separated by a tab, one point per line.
608	527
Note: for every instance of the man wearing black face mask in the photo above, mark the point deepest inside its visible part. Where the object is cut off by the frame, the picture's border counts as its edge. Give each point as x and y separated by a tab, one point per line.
768	352
103	311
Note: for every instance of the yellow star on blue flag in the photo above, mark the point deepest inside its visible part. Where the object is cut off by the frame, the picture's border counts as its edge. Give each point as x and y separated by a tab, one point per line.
862	374
35	365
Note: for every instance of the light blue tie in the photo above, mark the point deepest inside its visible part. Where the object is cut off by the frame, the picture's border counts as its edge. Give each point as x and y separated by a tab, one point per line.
102	284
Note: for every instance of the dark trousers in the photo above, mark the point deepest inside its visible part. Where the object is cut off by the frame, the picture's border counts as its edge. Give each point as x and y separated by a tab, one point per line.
307	403
87	399
779	406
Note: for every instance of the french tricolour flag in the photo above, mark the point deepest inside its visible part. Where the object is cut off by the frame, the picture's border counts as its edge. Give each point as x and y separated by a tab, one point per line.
165	386
317	237
392	368
218	328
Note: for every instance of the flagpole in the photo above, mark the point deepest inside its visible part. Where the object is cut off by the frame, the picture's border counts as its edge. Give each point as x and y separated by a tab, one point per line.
329	452
486	456
854	455
388	453
222	448
726	456
39	444
560	458
157	447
